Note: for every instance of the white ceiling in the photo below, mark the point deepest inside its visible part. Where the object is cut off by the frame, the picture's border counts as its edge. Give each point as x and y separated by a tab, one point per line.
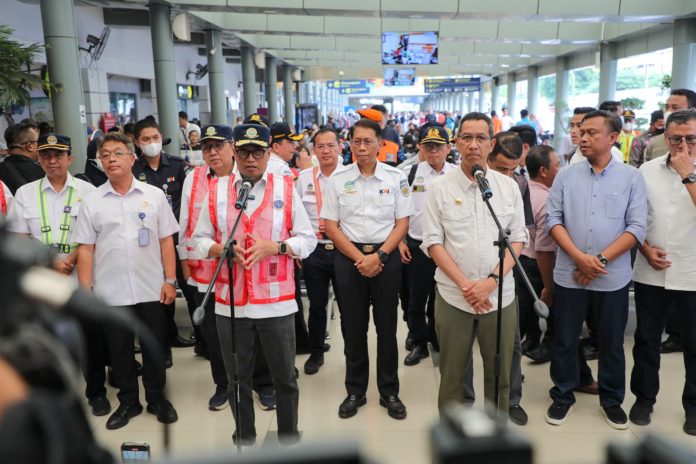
491	37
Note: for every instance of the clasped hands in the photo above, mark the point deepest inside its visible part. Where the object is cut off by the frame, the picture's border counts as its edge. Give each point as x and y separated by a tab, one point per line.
477	293
246	257
369	265
589	267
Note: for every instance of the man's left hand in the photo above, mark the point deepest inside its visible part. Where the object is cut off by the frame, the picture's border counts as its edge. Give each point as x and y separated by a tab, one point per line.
370	265
681	161
479	291
581	278
260	250
167	294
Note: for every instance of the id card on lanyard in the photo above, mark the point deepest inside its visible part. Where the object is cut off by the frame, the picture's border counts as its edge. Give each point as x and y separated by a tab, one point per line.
143	232
165	187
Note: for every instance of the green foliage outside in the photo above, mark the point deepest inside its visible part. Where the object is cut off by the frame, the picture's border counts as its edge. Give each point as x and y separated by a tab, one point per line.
16	81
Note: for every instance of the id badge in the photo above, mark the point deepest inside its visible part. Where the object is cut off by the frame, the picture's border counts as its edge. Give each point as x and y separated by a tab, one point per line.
143	237
169	200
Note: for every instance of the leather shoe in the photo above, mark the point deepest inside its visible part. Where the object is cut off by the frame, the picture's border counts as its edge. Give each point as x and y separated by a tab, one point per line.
181	342
395	408
100	406
591	353
414	357
409	342
350	406
164	411
671	345
313	364
518	415
590	389
690	425
540	354
123	415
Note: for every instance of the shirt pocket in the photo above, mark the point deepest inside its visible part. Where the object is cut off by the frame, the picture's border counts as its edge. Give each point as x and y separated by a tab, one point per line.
614	205
456	214
32	217
349	202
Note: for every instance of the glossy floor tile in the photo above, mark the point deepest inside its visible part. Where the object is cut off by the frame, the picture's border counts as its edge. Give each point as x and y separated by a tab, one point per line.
583	439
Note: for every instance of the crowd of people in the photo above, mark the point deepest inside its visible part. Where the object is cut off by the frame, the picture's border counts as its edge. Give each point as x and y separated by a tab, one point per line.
347	209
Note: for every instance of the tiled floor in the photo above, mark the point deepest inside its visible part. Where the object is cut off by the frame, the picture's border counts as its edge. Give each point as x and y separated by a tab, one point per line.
583	439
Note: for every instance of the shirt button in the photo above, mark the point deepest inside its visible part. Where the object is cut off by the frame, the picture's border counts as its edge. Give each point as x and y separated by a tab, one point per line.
592	213
590	230
595	195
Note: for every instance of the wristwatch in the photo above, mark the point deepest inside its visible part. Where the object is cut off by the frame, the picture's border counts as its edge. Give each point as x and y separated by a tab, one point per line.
602	259
383	256
172	282
690	179
282	248
495	277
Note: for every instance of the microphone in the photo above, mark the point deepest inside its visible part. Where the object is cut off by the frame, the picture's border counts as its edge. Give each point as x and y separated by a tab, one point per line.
243	194
199	315
541	309
480	175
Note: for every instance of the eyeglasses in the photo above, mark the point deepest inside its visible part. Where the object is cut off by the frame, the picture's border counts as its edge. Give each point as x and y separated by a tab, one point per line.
363	143
468	138
677	140
257	154
328	146
208	147
108	155
57	155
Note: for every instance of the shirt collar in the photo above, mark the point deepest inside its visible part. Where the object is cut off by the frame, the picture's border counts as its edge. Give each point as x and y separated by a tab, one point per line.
69	182
135	185
277	157
464	181
538	185
608	167
379	171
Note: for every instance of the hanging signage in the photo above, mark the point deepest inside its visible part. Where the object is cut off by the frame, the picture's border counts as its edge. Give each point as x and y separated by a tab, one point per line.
458	84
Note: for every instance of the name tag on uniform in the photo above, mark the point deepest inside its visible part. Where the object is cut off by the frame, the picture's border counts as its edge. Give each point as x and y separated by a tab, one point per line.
419	188
143	237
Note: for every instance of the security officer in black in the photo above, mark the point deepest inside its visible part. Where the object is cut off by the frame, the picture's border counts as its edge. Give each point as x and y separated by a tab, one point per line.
167	173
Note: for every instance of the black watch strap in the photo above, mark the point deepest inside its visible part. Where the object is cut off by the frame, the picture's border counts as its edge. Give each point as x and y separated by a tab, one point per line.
383	256
495	277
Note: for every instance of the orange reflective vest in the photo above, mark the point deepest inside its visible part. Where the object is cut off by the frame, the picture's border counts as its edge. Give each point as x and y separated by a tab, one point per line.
202	270
3	199
272	279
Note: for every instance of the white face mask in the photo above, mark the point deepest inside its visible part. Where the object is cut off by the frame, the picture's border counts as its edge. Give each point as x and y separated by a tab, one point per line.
628	126
98	164
151	149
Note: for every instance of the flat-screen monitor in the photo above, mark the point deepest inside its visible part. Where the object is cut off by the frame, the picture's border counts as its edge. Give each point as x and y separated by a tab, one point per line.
409	48
400	76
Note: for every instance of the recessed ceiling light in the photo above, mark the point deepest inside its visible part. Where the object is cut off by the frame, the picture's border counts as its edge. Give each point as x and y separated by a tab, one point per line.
589	19
504	65
416	16
645	19
551	42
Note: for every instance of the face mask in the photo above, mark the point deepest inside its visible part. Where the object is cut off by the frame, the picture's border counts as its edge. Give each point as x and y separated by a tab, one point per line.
98	164
659	131
628	126
151	149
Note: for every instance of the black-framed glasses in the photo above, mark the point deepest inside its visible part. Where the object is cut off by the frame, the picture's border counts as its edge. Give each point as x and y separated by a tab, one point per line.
257	154
676	140
209	146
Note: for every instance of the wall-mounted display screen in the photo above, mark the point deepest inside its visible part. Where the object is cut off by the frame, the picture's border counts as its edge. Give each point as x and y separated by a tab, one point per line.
400	76
409	47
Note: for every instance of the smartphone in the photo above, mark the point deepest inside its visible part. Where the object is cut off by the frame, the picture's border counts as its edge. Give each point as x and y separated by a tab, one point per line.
135	452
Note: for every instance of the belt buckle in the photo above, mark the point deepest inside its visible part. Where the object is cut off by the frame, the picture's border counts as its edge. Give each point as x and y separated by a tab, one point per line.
368	248
329	246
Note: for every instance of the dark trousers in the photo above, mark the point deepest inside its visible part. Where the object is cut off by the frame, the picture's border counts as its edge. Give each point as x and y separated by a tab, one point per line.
301	334
652	306
95	358
405	291
120	343
612	313
319	271
357	294
277	337
421	301
529	321
209	334
172	331
672	326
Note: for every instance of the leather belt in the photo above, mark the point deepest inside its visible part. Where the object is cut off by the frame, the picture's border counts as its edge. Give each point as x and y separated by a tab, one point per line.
368	248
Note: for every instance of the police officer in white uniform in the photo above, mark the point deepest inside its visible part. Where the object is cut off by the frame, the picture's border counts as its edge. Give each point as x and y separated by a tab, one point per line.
434	146
46	210
366	211
318	268
275	230
126	256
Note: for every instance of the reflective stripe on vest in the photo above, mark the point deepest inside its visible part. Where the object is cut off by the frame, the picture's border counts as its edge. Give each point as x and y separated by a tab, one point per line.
202	270
272	279
3	199
62	245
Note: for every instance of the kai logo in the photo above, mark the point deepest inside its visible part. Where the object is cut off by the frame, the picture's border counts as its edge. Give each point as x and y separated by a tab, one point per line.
251	133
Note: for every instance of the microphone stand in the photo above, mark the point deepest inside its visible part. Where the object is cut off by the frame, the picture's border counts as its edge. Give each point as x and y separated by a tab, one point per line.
228	254
540	307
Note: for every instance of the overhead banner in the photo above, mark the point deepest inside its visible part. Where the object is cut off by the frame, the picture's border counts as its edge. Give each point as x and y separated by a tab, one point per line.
348	87
457	84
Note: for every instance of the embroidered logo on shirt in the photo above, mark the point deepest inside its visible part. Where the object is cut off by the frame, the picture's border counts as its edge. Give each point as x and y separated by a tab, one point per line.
420	180
384	191
349	186
405	189
418	188
310	187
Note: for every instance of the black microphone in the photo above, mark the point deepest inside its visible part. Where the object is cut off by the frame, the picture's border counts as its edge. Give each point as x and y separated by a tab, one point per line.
480	175
243	194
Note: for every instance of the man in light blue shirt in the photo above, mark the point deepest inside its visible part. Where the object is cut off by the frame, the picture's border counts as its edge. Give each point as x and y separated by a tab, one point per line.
597	212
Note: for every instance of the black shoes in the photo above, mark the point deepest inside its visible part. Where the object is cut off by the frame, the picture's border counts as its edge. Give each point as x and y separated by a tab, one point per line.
395	408
350	406
591	353
100	406
181	342
308	349
616	417
414	357
409	342
640	413
690	425
558	413
201	351
313	364
218	401
540	355
164	411
518	415
671	345
123	415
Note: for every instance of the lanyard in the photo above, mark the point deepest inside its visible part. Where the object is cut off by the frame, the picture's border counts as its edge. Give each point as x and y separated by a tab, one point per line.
65	223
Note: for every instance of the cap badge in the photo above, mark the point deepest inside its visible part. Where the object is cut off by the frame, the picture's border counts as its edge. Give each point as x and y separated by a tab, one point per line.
432	132
210	131
251	133
52	139
255	117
